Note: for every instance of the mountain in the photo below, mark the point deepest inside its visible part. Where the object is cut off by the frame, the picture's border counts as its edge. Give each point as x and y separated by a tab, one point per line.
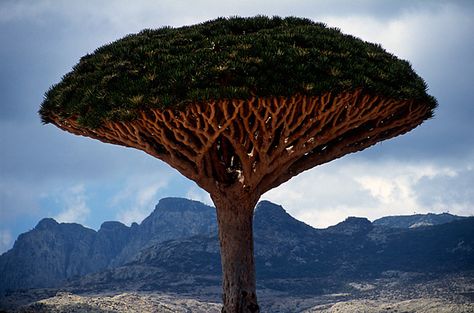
278	236
176	249
416	220
293	257
173	218
109	242
52	253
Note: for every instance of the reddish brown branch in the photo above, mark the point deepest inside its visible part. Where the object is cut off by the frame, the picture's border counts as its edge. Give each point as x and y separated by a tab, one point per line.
259	143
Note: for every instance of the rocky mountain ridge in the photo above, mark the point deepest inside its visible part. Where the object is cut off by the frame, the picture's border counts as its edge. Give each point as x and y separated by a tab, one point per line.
416	220
55	252
176	248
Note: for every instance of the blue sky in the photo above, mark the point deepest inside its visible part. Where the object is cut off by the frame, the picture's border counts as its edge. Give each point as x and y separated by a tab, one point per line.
45	172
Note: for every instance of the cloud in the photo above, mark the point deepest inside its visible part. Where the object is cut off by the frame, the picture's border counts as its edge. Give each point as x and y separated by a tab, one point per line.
17	199
453	193
198	194
323	196
6	240
122	15
392	184
135	201
422	36
355	187
132	215
117	15
76	209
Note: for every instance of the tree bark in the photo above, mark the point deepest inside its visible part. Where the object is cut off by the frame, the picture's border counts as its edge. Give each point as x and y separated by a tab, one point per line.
235	219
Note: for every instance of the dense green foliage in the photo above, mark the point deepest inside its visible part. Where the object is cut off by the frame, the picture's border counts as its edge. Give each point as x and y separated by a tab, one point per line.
225	58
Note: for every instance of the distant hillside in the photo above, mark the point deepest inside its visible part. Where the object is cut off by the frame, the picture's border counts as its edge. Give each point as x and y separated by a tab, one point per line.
53	253
417	220
291	255
176	248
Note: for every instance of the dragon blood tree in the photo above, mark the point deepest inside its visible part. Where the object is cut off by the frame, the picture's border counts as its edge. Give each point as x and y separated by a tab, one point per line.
240	106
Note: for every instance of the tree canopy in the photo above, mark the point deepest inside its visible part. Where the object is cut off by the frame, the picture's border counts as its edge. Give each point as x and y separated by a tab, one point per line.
226	58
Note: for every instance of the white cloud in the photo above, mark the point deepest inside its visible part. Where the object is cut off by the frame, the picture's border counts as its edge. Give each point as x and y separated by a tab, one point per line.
428	38
132	215
392	34
452	193
328	194
6	240
321	196
138	197
76	209
198	194
393	184
17	199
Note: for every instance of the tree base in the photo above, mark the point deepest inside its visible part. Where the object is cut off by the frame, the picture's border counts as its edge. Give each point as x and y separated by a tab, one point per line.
247	304
235	218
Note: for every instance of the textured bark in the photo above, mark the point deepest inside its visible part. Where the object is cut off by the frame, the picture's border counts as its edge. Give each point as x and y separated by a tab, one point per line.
235	216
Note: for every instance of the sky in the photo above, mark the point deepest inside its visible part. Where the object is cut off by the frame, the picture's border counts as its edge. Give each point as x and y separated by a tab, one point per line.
46	172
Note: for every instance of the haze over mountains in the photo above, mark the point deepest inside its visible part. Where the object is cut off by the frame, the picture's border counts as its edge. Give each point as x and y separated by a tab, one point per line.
176	248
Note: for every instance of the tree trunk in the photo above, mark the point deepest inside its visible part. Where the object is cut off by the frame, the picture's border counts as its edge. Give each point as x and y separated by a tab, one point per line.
236	242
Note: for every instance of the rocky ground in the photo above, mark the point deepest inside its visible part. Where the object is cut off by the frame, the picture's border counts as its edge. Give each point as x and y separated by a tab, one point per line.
393	292
136	302
428	305
65	302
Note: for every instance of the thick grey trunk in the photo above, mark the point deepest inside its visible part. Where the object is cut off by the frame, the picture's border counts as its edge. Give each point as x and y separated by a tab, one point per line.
238	266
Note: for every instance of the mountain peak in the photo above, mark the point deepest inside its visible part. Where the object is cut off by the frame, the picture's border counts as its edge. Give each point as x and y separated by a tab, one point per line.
354	220
271	219
268	207
179	204
110	225
352	226
46	223
271	212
